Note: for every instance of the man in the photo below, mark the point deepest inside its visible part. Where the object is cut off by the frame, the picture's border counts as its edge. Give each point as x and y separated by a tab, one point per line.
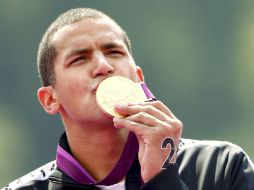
80	49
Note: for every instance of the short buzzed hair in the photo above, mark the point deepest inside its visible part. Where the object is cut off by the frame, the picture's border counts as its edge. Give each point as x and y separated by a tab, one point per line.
47	52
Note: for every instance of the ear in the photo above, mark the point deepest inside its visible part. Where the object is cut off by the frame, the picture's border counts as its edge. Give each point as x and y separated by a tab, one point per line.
47	100
140	74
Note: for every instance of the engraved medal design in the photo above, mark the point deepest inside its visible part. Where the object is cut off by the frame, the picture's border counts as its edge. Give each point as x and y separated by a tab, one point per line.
118	90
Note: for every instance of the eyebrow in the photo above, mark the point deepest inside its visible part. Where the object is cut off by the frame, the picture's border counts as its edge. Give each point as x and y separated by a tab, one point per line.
106	46
77	52
111	45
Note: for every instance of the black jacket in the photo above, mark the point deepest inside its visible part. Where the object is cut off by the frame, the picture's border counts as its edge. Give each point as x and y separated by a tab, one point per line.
206	165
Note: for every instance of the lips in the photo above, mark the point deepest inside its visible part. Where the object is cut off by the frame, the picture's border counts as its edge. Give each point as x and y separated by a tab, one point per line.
94	89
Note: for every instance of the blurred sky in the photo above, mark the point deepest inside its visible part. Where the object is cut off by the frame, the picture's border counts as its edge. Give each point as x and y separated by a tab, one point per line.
197	57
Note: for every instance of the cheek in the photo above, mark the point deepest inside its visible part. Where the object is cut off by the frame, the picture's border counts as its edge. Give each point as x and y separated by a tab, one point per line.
70	86
78	86
132	74
128	69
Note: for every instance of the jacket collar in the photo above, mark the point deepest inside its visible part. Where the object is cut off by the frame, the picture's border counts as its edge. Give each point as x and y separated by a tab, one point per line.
129	164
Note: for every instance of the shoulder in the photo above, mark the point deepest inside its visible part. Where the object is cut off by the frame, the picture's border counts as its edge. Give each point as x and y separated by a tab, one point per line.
210	151
35	177
187	144
219	164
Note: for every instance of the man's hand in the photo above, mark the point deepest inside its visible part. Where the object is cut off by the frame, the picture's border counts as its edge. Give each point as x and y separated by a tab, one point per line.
158	132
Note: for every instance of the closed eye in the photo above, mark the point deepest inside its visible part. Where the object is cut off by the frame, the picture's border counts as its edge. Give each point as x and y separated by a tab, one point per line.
115	53
79	60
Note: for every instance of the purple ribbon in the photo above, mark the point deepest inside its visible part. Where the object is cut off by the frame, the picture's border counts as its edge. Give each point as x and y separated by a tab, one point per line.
68	164
147	92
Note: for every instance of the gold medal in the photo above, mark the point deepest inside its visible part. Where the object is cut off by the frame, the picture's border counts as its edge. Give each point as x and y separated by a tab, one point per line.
118	90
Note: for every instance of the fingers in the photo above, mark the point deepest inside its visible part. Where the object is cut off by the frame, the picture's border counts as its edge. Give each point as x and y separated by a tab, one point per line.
157	104
164	109
132	109
152	135
143	116
133	126
149	113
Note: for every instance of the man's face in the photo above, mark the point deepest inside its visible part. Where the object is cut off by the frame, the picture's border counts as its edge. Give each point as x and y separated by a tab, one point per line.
88	52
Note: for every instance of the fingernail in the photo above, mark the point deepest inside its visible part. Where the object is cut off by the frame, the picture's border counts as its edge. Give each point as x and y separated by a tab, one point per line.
116	119
116	124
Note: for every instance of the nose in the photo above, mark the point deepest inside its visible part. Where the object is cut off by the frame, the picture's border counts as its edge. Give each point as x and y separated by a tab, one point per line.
102	66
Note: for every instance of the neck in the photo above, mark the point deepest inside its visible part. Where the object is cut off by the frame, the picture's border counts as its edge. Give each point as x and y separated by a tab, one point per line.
97	148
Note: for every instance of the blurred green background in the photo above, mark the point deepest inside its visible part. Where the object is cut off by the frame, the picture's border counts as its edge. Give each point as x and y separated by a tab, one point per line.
197	57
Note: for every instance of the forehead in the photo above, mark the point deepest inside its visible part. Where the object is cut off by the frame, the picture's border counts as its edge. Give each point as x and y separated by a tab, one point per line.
87	30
